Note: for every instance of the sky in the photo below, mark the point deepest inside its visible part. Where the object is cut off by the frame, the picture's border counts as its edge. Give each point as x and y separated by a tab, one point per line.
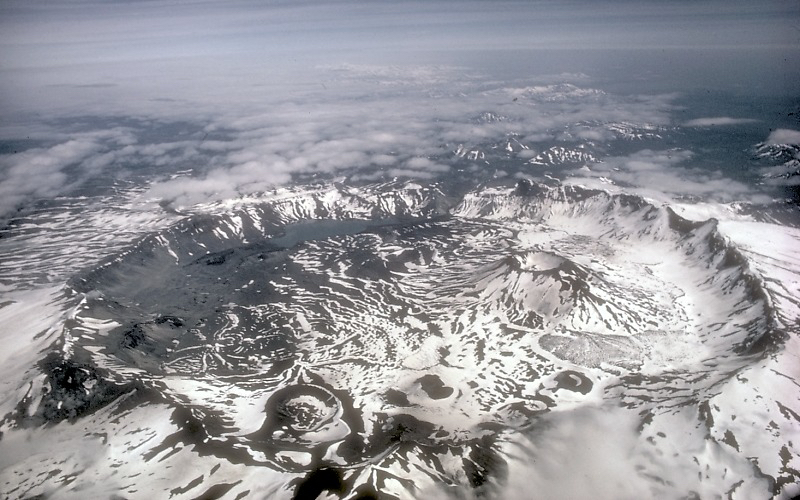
161	47
246	94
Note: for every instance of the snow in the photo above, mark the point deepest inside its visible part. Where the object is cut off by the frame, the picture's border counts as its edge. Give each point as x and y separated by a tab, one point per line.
592	337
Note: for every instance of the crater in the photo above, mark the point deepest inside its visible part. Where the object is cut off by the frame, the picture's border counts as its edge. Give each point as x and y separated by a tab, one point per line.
222	311
434	387
300	409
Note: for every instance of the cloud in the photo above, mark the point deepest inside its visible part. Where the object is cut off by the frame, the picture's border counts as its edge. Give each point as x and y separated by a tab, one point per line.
248	177
717	121
371	122
255	126
90	151
784	136
609	466
369	129
39	172
662	175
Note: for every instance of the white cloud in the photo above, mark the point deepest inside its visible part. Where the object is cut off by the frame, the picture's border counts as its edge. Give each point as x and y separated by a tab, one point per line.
717	121
426	165
352	127
383	160
662	175
38	172
608	466
406	172
369	122
784	136
278	104
594	134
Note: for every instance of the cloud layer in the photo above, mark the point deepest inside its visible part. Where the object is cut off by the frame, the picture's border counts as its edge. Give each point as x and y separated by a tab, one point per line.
377	122
664	175
270	92
784	136
372	122
717	121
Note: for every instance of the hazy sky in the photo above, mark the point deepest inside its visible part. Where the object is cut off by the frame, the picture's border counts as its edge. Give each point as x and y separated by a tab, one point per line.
70	32
89	34
60	56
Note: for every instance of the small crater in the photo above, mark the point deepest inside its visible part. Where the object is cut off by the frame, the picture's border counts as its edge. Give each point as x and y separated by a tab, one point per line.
396	398
434	387
574	381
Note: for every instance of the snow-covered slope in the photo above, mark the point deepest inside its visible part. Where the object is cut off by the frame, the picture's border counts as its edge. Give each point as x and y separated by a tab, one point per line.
785	160
400	339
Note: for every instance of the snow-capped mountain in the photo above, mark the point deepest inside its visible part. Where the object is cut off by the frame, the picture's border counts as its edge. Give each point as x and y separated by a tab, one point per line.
556	92
786	161
564	155
507	148
635	132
